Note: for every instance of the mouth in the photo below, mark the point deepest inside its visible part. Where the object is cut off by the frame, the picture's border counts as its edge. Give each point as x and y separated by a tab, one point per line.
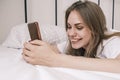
74	41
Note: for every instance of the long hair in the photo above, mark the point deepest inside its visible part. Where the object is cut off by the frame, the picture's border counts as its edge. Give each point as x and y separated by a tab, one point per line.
94	17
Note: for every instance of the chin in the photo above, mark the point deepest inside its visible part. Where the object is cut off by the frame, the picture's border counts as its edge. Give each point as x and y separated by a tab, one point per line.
75	47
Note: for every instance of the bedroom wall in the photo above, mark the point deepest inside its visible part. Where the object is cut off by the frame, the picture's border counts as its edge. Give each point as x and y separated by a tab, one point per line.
12	13
42	11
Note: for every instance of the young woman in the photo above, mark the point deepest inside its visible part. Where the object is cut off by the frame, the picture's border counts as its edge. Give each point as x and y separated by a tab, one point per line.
91	45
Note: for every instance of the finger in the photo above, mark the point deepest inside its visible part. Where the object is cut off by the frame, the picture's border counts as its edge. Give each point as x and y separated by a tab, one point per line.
26	58
27	53
29	46
38	42
29	59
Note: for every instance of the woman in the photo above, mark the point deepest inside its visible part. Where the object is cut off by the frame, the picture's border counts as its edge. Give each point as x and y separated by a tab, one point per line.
92	46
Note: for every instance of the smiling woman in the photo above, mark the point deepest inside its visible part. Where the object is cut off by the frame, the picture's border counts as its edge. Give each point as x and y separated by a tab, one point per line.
90	47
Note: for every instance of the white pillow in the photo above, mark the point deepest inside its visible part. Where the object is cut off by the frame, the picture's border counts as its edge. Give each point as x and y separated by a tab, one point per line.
19	34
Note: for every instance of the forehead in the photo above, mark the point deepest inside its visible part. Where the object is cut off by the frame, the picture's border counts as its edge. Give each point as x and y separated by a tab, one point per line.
75	17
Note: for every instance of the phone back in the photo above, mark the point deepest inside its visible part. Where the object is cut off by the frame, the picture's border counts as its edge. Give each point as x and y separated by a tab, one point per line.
34	31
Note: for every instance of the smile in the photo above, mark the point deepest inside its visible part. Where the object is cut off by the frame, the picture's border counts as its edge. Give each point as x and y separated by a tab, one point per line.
75	40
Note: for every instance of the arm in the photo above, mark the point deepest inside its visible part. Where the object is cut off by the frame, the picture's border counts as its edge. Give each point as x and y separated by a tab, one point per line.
94	64
43	54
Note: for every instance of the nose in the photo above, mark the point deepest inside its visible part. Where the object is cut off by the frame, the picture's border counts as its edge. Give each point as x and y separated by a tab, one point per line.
72	32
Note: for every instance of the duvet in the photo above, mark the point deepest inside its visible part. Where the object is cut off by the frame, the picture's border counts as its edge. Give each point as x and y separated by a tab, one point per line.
13	67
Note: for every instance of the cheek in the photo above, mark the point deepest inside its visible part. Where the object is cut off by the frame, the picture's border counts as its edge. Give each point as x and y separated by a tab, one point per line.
68	33
87	35
87	38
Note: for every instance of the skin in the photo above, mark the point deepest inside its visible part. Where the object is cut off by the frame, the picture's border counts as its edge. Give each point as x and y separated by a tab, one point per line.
38	52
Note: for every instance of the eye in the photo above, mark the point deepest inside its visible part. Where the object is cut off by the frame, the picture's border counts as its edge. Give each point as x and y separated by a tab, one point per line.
79	27
68	26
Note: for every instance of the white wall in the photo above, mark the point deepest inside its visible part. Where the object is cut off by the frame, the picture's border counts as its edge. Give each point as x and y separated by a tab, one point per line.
42	11
117	13
11	13
62	6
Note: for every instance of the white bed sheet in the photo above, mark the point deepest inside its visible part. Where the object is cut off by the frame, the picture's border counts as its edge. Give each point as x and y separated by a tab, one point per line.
13	67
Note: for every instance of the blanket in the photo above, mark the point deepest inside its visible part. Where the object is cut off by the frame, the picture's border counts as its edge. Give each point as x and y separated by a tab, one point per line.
13	67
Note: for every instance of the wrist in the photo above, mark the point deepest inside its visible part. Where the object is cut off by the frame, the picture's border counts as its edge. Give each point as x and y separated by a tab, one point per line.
58	60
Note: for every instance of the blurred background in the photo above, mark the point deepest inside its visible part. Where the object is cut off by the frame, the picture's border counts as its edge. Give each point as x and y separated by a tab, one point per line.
15	12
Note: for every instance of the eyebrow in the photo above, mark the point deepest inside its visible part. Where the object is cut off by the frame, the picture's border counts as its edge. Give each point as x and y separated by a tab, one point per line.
77	24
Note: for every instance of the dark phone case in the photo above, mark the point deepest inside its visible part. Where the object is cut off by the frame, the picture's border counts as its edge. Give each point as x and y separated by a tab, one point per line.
34	31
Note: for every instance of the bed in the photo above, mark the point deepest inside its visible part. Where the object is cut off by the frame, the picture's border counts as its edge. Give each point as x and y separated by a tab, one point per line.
13	67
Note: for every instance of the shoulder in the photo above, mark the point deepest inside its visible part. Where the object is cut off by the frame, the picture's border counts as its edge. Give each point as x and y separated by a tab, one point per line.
111	41
110	47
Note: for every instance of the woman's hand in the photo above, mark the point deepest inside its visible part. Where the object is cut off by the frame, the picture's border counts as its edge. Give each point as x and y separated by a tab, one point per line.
40	53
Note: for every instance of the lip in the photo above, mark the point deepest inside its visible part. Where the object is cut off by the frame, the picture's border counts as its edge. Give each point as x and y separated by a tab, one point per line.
75	40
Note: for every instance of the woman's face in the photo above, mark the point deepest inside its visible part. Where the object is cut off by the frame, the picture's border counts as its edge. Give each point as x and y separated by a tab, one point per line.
78	32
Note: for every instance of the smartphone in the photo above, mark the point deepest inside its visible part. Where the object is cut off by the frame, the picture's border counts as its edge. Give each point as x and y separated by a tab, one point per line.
34	31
